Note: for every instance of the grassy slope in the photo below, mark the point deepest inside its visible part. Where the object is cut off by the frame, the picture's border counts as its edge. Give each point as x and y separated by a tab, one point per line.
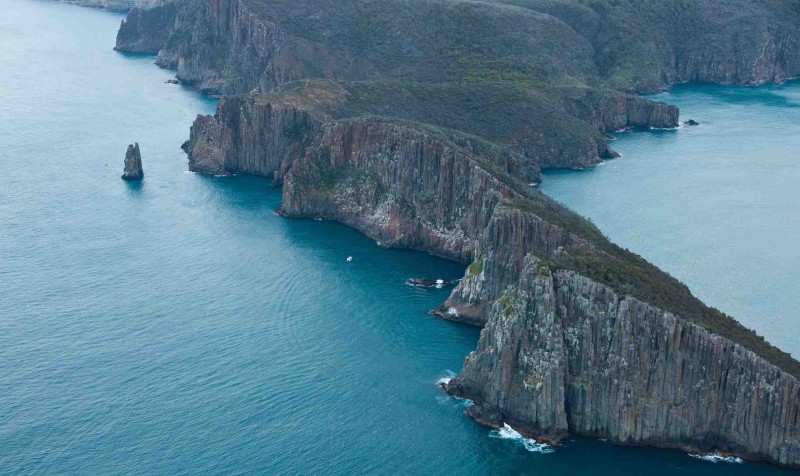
431	41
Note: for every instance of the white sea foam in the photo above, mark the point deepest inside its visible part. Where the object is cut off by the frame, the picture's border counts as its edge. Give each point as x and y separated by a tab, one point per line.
508	433
718	458
448	376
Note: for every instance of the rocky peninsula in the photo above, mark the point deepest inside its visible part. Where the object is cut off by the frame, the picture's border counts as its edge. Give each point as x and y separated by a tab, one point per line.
425	124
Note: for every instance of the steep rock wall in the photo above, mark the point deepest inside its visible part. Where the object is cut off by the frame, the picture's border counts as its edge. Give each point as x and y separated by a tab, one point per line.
405	186
146	31
233	46
560	353
246	136
217	46
563	353
610	111
509	237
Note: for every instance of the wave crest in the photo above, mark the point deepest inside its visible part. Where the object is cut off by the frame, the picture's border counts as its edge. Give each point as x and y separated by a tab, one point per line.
714	458
508	433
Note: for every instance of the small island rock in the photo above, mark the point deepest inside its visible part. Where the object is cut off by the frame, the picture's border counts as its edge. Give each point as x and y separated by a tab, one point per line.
692	122
133	163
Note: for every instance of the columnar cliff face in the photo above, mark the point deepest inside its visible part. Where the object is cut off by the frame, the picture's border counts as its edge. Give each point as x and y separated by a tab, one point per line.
146	31
252	137
403	185
538	130
217	46
516	100
562	353
425	128
646	45
509	237
610	112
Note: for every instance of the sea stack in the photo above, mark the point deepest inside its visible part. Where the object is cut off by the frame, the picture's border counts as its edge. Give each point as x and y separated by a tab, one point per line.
133	163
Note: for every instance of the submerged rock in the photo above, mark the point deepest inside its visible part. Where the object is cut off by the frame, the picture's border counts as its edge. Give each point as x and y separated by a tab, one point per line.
691	122
133	163
429	283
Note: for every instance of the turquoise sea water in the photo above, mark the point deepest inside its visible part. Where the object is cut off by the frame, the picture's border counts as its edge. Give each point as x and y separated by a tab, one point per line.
177	326
716	205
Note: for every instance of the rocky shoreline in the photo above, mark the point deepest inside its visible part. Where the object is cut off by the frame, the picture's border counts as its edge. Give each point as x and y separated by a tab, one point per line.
439	153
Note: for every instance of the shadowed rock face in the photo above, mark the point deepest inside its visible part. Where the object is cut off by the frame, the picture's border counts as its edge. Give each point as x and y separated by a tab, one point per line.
246	136
146	31
133	164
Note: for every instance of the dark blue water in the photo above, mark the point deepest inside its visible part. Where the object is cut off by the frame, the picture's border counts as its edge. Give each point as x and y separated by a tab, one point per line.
177	326
716	205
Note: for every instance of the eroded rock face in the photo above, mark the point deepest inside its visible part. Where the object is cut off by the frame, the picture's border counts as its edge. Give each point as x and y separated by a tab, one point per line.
248	136
405	186
242	46
133	163
536	132
146	30
217	46
610	111
510	236
562	352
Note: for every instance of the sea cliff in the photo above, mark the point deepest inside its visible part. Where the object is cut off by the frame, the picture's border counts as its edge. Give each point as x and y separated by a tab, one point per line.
439	147
561	353
564	354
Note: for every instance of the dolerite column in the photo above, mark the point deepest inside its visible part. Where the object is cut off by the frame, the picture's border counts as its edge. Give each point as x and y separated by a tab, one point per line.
133	163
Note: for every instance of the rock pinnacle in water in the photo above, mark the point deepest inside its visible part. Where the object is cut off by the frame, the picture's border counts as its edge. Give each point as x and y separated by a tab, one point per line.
133	163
